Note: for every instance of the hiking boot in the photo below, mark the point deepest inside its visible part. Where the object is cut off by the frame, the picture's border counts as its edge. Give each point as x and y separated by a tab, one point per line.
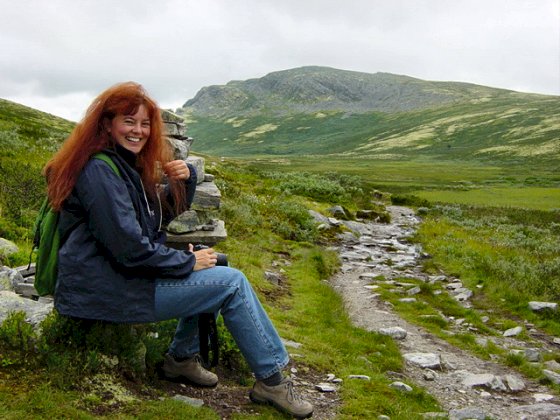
283	397
190	369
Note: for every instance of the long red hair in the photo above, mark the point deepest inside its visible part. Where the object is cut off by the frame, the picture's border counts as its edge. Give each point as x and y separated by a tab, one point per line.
90	136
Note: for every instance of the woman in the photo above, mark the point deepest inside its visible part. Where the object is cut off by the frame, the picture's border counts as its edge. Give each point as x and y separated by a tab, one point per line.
114	265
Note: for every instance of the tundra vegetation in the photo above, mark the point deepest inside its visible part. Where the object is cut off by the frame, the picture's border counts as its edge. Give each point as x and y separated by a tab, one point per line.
493	221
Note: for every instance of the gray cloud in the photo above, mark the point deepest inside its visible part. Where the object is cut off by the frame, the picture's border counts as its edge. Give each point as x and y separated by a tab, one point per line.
57	55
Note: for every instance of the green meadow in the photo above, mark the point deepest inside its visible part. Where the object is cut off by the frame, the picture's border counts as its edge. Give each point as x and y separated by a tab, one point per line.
493	223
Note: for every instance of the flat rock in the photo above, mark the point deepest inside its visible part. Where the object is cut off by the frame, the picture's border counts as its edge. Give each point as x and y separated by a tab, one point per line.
553	376
512	332
424	360
541	306
471	413
401	386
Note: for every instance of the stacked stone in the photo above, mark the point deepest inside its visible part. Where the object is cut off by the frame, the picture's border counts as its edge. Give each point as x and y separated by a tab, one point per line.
200	225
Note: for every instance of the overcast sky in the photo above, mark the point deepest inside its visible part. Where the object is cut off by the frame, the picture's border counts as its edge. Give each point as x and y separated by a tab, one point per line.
57	55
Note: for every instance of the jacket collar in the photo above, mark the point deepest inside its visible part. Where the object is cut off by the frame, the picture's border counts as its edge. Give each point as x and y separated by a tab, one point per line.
127	155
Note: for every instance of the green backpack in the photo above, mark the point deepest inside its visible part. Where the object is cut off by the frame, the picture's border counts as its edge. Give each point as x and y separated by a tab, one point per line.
46	241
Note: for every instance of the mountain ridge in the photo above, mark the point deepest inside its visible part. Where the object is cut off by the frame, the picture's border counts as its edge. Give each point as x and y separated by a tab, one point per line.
314	88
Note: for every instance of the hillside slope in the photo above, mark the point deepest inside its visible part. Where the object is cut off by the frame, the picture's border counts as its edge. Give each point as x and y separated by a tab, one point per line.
30	134
319	111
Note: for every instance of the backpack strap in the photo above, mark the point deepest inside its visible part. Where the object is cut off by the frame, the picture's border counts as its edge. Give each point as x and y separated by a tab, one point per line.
108	161
208	339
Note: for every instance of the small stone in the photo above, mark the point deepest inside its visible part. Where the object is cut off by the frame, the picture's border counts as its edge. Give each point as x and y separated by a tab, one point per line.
401	386
552	365
542	397
463	296
429	375
324	387
485	394
293	344
542	306
514	383
195	402
553	376
471	413
330	377
481	341
362	377
512	332
407	300
383	417
397	333
533	355
413	291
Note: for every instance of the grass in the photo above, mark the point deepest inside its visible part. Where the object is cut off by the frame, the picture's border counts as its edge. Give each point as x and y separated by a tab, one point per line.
534	198
489	220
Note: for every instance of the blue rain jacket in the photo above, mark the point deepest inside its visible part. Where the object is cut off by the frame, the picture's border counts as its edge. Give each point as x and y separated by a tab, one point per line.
113	249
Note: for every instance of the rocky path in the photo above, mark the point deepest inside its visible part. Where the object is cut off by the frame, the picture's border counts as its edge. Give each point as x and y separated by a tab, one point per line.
465	386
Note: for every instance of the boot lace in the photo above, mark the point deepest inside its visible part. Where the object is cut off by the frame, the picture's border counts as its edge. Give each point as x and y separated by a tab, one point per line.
292	395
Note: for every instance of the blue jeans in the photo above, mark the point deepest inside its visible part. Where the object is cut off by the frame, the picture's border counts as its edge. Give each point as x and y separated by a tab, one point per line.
228	291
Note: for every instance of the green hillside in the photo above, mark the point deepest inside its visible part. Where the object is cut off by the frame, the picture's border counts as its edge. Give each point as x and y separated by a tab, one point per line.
29	135
446	120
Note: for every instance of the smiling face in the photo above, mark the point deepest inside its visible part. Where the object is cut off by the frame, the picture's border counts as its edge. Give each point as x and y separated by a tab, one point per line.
131	131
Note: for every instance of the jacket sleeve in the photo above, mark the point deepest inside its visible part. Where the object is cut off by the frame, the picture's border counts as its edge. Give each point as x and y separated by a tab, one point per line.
111	219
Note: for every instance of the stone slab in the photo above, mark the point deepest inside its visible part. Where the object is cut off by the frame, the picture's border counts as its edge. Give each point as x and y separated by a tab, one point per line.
209	238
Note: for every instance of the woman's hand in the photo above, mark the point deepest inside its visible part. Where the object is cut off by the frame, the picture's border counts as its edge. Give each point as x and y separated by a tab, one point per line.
177	170
205	258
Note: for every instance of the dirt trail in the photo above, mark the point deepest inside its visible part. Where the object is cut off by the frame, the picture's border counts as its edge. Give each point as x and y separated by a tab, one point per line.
366	257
